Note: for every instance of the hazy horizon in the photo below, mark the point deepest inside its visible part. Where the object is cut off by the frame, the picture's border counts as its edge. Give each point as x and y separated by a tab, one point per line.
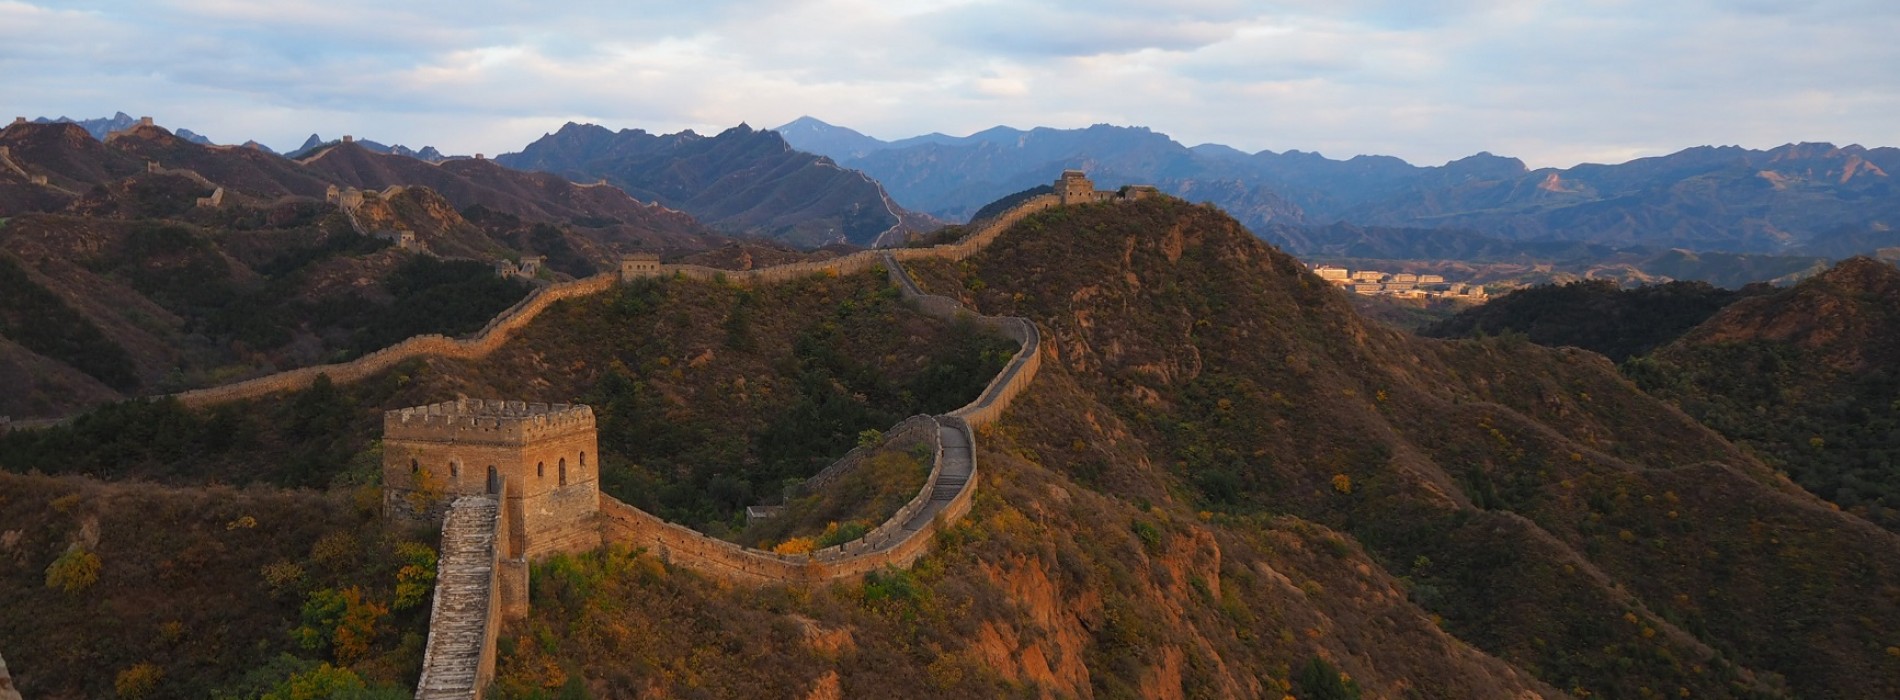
1554	84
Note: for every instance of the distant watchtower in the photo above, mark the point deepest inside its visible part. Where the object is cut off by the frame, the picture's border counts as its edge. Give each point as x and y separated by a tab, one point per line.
546	454
1074	187
636	265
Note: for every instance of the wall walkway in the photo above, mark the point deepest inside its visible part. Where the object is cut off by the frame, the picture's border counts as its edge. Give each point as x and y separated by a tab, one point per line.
465	617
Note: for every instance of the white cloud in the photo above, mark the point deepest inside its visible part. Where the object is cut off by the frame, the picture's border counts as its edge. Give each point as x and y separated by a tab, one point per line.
1552	82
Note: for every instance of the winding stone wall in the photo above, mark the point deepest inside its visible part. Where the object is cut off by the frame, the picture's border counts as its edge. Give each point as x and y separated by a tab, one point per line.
504	325
902	538
477	346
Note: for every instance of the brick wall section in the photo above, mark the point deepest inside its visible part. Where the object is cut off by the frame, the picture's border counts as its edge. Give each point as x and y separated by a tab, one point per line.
476	346
901	539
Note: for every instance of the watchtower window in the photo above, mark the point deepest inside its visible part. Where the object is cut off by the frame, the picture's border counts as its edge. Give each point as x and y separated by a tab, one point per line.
540	470
415	467
455	470
563	472
583	460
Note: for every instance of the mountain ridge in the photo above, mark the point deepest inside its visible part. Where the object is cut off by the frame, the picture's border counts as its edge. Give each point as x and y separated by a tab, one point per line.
742	181
1723	198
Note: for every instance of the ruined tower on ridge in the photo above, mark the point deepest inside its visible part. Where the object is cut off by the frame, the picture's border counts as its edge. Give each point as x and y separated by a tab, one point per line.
1074	187
547	455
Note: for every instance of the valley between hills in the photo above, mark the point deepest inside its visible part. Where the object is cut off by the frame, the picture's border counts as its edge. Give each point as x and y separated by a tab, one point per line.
1217	478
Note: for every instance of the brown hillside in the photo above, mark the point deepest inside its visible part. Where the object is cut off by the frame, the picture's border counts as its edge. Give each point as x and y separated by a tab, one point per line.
535	196
1808	377
1553	515
68	156
245	171
1845	318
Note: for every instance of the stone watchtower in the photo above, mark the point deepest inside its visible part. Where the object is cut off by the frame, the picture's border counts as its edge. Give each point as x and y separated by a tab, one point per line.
546	454
637	265
1074	187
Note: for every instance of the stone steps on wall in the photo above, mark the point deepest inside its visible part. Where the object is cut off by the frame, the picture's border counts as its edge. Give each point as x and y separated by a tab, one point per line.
458	623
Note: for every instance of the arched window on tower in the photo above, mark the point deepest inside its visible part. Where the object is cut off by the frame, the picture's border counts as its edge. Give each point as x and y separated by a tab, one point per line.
540	470
494	479
415	467
455	469
583	460
563	471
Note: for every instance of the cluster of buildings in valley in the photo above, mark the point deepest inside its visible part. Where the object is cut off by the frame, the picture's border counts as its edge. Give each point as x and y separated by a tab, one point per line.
1398	284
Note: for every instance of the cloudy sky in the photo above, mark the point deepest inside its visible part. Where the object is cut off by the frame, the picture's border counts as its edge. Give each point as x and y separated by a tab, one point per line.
1555	82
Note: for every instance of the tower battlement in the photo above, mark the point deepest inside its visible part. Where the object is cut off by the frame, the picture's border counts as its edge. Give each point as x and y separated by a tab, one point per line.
486	421
546	454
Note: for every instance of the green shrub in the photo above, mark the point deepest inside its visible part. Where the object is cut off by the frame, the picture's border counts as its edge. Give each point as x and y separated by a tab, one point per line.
74	571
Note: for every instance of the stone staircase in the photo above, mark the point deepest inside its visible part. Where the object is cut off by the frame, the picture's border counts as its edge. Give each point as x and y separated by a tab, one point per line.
958	465
458	623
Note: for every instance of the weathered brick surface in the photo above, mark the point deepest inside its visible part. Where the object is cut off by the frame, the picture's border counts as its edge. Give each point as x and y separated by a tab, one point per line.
464	619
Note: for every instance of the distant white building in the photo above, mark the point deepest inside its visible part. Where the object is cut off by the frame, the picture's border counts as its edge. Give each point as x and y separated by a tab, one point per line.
1368	276
1332	274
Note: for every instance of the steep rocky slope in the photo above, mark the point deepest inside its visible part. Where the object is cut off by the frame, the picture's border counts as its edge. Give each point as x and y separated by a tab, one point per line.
1552	514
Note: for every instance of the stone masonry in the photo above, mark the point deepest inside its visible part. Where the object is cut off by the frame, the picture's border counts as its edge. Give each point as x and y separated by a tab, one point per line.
458	660
547	455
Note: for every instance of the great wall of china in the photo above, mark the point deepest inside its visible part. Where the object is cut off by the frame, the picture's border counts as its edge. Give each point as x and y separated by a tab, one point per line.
504	325
489	580
483	575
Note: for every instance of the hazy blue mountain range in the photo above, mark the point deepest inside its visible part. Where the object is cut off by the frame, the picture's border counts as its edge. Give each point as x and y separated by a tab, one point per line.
104	126
1705	198
741	181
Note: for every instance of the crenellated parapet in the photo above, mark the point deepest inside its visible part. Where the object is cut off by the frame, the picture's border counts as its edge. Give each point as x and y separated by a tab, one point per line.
487	421
546	456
